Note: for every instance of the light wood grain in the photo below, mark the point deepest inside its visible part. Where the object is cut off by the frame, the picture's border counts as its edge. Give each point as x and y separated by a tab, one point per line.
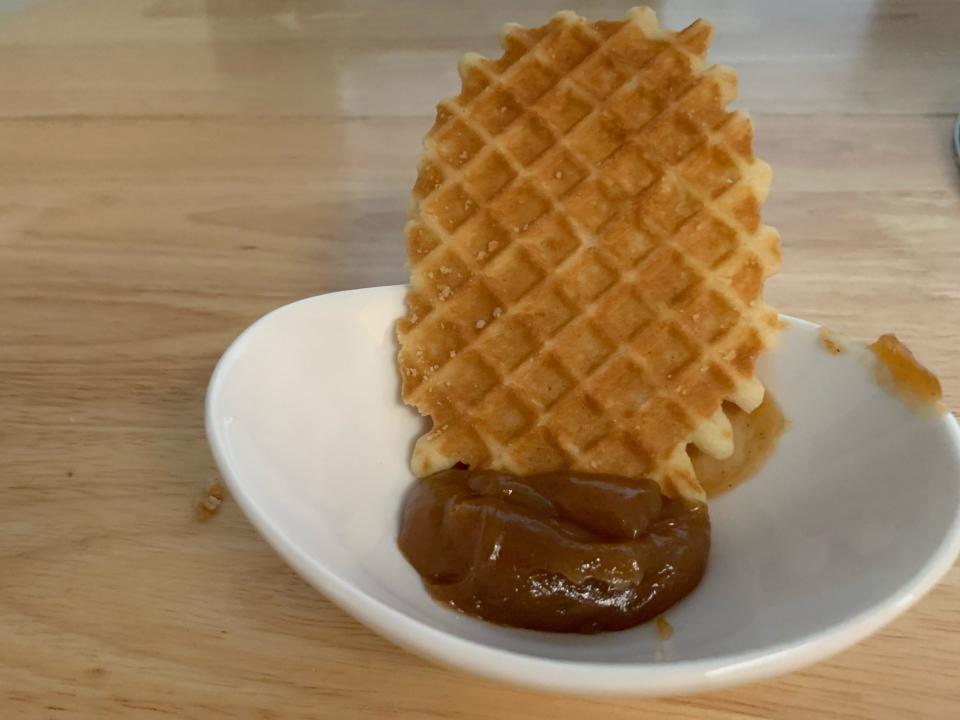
172	169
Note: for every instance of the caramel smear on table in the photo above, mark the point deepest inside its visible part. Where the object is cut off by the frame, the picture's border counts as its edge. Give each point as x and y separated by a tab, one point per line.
900	373
830	341
755	437
208	503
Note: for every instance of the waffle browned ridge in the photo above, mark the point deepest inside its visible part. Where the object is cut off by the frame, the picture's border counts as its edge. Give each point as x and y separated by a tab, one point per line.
587	257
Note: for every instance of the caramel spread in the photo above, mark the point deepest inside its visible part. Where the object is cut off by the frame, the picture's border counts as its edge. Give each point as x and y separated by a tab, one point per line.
563	552
208	503
755	437
664	628
830	342
899	372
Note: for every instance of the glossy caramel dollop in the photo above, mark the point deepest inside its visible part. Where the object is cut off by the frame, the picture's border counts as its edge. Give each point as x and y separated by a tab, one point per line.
563	552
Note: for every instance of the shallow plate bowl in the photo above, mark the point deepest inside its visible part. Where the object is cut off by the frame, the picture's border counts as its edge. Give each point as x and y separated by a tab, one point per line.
852	520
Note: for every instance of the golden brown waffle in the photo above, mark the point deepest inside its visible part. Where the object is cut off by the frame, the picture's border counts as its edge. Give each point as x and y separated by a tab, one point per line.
587	257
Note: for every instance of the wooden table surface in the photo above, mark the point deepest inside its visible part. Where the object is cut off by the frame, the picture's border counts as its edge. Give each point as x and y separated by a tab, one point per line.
172	169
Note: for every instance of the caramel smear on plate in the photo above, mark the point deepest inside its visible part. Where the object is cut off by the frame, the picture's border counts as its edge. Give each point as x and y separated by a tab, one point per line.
755	437
830	341
664	628
900	373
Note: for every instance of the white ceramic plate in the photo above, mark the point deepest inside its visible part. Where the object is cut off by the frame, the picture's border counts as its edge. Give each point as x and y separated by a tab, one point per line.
851	521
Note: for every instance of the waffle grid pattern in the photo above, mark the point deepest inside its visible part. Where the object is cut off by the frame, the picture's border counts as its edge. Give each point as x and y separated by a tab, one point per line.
587	257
